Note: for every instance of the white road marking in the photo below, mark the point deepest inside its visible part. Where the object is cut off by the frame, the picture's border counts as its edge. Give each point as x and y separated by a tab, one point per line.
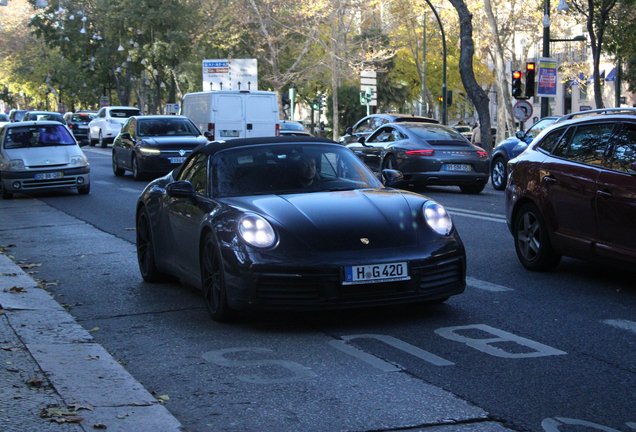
130	190
622	324
103	182
486	286
493	217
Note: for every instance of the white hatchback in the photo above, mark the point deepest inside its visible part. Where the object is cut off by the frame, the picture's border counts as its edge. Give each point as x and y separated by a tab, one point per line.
107	123
41	155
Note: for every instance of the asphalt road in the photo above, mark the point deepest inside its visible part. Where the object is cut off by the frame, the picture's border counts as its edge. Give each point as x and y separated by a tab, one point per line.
536	351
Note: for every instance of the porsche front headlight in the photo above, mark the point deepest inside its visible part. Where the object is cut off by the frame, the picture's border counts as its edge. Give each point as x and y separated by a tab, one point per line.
256	231
437	218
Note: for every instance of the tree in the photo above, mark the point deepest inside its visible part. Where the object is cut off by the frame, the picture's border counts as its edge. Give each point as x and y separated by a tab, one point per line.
476	94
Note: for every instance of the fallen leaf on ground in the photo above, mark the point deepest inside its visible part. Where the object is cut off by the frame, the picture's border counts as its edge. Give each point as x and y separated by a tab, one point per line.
67	419
163	398
15	290
77	407
29	266
10	348
90	357
99	426
56	412
93	329
8	274
130	229
37	382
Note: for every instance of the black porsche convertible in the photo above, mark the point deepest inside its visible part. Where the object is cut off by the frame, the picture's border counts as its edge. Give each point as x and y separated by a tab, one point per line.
294	223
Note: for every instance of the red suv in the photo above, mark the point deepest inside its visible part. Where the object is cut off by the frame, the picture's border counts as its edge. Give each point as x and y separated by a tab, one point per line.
572	192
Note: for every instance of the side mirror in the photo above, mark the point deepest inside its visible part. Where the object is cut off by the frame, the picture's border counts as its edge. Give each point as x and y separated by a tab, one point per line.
180	189
82	143
208	135
361	140
520	134
392	177
126	136
349	130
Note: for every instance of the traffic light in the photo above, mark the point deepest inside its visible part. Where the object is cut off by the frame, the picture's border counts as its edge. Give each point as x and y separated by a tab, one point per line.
363	98
314	104
449	97
530	68
516	84
321	101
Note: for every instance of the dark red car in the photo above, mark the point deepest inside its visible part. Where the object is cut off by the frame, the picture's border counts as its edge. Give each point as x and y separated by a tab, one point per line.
573	193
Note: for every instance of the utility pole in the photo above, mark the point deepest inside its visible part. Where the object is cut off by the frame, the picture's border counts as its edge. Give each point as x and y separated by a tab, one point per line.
424	105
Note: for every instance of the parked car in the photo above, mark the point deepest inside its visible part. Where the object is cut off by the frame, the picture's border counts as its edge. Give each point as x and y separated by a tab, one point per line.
368	124
43	116
154	144
426	154
513	147
107	124
571	192
4	119
292	128
467	131
235	220
41	155
78	124
233	114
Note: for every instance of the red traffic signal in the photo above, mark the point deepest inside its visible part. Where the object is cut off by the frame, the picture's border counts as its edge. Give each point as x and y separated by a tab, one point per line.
517	75
516	84
530	70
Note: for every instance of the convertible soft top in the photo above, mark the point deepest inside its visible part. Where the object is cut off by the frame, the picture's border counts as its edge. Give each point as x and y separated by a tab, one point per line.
213	146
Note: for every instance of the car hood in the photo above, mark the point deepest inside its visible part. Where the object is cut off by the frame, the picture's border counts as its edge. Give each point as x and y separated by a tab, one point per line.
187	141
511	142
43	156
327	221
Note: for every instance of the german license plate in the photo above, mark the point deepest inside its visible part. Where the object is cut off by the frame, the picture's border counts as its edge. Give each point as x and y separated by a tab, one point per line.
177	160
457	167
49	176
229	133
375	273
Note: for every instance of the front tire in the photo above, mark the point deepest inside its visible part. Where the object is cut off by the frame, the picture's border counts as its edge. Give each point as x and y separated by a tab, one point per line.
136	172
102	140
213	281
473	189
499	175
6	194
532	242
145	249
116	170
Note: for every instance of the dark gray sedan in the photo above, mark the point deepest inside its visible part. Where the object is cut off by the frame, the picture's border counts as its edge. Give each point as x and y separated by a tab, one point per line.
426	154
154	144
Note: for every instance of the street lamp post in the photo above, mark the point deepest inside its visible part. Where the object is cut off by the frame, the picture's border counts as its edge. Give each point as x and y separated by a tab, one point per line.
545	102
444	95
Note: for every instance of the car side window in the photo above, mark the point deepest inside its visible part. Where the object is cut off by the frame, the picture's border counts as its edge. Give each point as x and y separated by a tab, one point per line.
624	150
538	127
375	123
555	139
379	136
589	142
196	173
362	127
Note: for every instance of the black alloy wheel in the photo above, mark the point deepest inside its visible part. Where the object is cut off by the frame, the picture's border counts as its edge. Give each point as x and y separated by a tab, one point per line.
213	281
499	175
145	248
91	141
116	170
137	174
473	189
101	140
389	163
532	242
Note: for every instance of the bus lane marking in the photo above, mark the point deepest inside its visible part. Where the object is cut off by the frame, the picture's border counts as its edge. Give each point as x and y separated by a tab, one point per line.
621	324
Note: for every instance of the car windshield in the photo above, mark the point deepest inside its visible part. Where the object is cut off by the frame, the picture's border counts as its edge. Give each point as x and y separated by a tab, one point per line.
19	115
163	127
288	169
291	126
436	133
124	113
4	117
37	136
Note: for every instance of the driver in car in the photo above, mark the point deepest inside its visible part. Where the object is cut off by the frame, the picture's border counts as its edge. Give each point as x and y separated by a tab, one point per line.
307	175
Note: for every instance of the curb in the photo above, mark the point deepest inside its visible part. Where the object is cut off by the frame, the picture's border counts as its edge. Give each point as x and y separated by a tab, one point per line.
87	381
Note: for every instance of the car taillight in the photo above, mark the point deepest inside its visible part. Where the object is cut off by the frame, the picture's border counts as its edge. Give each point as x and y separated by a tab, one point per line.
277	129
482	154
427	152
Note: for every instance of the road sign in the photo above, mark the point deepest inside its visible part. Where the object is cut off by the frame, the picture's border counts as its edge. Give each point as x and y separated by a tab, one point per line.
522	110
172	108
232	74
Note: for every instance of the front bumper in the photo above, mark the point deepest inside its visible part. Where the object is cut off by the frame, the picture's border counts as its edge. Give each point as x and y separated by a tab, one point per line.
162	163
25	181
446	178
319	286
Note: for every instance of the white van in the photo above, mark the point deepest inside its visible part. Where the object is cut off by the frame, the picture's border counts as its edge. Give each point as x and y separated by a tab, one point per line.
233	113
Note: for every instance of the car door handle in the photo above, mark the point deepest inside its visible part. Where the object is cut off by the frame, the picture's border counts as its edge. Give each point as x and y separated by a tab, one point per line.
604	193
550	179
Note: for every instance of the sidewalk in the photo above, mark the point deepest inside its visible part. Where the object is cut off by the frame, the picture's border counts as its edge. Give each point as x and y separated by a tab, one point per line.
54	377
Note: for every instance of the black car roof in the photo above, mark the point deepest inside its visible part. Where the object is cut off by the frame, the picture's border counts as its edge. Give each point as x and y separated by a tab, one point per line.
214	146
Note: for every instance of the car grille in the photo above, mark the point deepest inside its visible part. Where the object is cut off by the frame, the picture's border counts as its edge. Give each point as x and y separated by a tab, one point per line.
35	184
440	275
271	287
